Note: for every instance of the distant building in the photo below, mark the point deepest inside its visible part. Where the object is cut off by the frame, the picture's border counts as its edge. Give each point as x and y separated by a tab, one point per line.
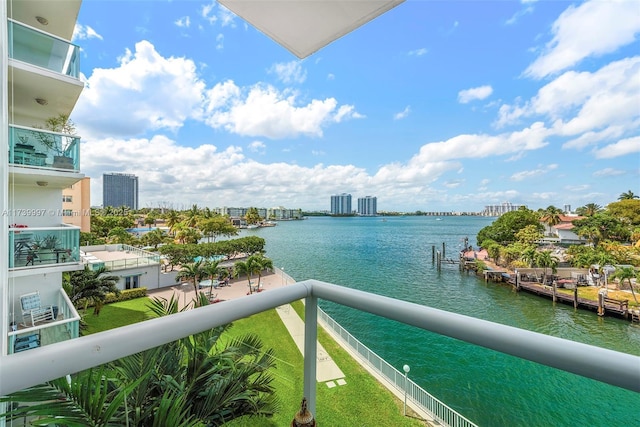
497	210
120	189
281	213
567	209
368	206
341	204
563	231
76	205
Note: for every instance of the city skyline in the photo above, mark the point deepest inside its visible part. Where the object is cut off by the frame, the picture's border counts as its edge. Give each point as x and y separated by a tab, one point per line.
431	106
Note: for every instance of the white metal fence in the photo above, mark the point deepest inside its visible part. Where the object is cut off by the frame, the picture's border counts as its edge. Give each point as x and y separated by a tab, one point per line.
419	396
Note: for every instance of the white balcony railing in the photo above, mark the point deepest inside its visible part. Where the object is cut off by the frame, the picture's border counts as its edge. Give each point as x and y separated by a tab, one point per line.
65	327
57	360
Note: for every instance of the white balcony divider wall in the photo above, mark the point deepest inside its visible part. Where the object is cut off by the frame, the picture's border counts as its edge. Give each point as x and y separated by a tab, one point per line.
57	360
4	174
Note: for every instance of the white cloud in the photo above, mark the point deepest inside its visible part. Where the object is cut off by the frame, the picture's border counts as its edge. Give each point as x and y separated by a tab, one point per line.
402	114
454	183
264	111
483	145
519	14
608	172
133	97
257	147
227	18
289	72
475	93
84	32
592	28
216	13
208	12
589	107
620	148
550	195
534	173
184	22
576	188
331	76
418	52
220	41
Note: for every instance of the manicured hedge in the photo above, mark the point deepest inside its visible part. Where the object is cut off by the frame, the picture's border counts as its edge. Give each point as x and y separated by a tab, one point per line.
125	295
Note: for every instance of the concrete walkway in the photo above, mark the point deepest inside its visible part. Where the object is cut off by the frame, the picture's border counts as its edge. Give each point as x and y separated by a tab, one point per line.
326	369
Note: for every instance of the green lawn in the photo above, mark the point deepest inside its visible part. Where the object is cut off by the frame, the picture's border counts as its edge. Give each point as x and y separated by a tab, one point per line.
115	315
363	401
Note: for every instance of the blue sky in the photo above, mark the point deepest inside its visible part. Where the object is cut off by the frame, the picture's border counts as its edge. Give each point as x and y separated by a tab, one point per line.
433	106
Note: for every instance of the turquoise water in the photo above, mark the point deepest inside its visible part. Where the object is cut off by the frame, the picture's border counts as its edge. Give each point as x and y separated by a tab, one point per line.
393	258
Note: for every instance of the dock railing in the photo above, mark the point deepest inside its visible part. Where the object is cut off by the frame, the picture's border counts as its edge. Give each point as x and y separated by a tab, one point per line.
416	394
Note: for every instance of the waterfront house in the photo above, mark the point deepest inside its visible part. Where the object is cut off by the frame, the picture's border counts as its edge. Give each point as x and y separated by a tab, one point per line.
563	231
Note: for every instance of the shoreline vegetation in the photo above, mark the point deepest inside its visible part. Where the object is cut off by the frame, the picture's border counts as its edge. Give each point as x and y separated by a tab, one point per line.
606	239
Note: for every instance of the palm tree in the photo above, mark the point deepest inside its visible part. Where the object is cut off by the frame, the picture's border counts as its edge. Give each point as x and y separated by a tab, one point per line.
249	267
195	381
551	216
529	257
191	273
628	196
154	238
626	273
590	209
173	218
192	216
211	270
545	260
263	263
91	286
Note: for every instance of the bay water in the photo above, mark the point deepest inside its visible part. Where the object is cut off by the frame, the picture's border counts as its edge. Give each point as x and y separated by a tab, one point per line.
393	257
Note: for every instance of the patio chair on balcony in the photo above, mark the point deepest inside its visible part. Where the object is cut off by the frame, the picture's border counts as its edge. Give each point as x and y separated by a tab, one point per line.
33	311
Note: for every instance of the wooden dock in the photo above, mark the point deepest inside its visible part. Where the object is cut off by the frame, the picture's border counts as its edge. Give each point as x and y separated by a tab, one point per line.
613	307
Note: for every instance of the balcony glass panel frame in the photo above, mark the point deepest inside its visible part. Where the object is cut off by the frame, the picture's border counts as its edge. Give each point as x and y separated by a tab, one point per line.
35	47
34	247
65	327
43	149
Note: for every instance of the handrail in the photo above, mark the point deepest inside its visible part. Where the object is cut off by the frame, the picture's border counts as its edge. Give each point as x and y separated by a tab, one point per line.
430	404
57	360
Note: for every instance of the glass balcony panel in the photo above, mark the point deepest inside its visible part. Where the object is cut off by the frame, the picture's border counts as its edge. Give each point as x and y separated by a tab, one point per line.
43	50
38	247
39	148
64	327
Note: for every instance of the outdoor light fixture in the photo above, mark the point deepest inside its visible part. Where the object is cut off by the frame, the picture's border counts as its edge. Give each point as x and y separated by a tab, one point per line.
406	370
42	183
43	21
42	101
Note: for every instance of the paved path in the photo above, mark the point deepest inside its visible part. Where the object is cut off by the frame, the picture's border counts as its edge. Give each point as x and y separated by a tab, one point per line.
326	369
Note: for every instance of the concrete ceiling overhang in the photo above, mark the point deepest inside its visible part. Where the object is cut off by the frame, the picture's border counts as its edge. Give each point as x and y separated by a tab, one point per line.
305	26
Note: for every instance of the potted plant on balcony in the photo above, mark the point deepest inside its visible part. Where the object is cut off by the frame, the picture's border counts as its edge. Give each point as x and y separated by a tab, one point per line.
61	124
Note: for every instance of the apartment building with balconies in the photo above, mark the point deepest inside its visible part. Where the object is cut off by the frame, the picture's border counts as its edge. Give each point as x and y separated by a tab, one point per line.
40	77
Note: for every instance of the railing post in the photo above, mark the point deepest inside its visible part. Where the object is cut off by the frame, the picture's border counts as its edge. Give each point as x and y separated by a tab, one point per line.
310	350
